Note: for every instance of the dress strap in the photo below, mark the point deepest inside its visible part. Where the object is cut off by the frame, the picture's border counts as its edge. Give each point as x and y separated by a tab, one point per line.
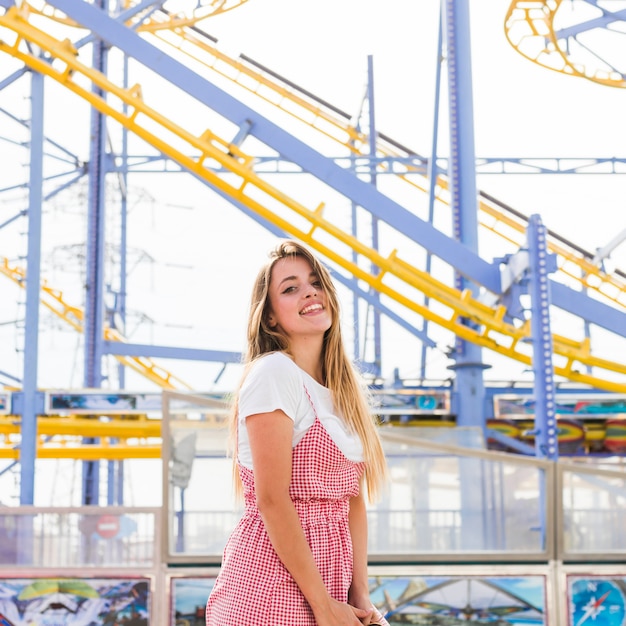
308	395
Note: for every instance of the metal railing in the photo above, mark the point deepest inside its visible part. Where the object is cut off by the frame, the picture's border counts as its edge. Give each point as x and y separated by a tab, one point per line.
90	536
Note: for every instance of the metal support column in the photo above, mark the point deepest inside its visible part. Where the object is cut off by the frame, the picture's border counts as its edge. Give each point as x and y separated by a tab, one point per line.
377	362
94	284
115	469
470	393
433	172
540	265
28	446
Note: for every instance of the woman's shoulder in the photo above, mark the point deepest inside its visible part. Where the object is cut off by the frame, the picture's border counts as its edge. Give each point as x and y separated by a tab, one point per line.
273	364
273	381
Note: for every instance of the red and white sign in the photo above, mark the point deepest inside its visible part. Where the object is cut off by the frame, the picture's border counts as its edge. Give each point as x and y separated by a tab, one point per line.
108	526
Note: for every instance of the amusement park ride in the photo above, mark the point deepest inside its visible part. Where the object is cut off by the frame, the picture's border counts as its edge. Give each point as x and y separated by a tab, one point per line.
480	306
478	475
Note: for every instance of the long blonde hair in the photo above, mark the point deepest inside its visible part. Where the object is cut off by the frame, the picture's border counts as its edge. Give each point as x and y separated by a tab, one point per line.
348	391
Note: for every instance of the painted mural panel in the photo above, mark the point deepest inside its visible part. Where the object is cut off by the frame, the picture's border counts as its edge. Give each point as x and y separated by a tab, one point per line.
423	600
74	601
461	600
189	596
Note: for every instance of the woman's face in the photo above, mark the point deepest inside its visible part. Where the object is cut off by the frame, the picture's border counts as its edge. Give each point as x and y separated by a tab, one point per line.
298	304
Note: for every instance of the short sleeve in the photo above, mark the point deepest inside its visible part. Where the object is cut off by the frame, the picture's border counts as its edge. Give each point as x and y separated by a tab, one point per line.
273	382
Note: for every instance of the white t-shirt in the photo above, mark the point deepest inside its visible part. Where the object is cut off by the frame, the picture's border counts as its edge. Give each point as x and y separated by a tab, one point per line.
274	382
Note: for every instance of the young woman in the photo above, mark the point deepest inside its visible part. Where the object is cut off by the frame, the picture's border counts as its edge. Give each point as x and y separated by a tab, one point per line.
306	450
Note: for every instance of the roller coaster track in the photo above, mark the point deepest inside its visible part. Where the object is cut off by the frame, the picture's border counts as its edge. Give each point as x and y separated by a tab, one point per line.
54	300
63	437
489	328
530	28
396	278
190	17
185	37
335	124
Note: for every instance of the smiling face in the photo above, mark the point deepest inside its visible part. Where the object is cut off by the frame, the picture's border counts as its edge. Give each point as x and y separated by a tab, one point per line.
298	302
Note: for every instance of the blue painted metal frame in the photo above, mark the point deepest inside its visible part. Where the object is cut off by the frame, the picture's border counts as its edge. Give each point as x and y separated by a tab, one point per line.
546	435
468	366
419	167
433	169
94	297
372	135
28	451
607	18
540	264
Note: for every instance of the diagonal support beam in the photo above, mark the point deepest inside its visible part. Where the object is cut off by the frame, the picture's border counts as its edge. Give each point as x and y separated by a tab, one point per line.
291	148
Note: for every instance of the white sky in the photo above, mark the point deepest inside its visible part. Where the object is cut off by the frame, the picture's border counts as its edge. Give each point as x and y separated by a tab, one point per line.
204	255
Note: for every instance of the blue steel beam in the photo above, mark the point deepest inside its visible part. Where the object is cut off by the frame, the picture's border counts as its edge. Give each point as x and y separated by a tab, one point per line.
72	158
28	451
170	352
510	442
468	365
273	164
377	363
603	22
292	149
94	262
432	168
548	165
586	308
540	264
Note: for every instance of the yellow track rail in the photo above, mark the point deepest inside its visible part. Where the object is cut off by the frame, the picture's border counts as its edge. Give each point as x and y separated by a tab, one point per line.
201	10
529	27
63	438
396	279
74	316
504	224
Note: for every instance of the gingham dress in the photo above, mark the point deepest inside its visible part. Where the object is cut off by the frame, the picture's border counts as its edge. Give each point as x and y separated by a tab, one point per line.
254	588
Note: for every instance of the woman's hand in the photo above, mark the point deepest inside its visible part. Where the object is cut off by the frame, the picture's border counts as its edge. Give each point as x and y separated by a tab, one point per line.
363	601
377	618
341	614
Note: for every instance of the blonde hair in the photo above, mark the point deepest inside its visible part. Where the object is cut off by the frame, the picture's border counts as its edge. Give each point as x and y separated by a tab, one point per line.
348	391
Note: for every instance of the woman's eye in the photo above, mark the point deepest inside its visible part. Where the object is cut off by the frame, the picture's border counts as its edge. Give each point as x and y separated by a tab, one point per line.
289	289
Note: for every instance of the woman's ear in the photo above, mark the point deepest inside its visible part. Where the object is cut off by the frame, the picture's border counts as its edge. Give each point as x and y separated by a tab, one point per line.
271	320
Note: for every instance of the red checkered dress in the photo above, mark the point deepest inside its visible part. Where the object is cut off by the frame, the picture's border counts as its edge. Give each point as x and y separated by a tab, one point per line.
253	587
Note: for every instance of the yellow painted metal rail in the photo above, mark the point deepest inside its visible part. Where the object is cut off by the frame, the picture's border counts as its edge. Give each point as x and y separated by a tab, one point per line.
529	27
63	438
54	300
193	14
397	279
253	79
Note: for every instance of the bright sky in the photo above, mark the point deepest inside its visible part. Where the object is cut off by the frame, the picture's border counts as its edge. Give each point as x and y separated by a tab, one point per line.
193	256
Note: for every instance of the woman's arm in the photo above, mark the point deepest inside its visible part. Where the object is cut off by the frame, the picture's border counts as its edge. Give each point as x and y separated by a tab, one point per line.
270	436
359	590
359	595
